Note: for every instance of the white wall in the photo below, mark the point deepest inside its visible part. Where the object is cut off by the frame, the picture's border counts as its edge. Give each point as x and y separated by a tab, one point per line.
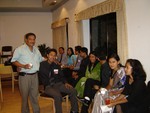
86	34
138	26
13	27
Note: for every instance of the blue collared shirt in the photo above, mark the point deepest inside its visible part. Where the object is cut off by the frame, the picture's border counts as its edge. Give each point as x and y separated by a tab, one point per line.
24	55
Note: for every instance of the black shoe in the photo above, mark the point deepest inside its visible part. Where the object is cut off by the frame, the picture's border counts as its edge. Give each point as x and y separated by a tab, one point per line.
83	101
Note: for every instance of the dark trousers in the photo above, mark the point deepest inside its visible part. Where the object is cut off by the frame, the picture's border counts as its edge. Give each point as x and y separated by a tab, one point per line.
67	74
73	81
89	92
56	90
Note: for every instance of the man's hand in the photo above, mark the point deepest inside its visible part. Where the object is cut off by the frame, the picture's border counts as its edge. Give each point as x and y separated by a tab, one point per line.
76	77
96	87
27	66
68	86
71	67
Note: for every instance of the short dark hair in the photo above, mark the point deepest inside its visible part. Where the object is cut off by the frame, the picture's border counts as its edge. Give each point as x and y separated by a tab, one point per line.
52	50
29	34
78	48
61	48
84	49
102	56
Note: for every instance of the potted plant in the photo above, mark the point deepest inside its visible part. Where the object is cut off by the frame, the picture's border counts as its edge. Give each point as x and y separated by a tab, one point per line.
43	49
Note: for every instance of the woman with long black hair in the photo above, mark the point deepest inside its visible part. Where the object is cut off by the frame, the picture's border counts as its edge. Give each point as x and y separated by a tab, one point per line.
132	99
92	71
116	82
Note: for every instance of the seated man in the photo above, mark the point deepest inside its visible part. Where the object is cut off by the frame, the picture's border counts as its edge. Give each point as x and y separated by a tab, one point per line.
62	57
76	75
52	78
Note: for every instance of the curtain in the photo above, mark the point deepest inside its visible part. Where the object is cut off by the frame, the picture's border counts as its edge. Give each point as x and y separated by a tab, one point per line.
59	33
80	32
107	7
122	34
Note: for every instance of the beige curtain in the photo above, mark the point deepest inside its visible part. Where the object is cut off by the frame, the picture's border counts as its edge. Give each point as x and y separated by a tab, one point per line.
106	7
122	34
59	33
80	32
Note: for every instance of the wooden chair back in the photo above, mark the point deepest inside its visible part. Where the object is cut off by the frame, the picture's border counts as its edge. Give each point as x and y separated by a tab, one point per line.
7	71
1	94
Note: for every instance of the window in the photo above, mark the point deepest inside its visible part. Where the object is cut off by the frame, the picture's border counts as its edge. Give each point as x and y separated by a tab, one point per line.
103	32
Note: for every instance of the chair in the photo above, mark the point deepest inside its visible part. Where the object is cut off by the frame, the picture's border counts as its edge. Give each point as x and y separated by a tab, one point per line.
1	94
6	52
6	72
1	90
1	65
65	97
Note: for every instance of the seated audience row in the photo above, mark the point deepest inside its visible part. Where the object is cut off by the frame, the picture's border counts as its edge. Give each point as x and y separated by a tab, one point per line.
80	76
110	75
113	75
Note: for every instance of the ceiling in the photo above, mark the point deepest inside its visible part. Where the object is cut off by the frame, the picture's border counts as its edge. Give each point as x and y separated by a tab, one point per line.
30	5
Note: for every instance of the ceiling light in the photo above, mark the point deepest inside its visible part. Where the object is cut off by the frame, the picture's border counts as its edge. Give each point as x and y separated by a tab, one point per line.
53	3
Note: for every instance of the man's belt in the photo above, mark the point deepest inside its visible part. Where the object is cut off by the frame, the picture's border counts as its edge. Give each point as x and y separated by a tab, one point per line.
23	73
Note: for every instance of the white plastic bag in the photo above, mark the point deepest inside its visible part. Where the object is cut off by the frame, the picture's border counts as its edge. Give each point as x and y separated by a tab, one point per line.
99	103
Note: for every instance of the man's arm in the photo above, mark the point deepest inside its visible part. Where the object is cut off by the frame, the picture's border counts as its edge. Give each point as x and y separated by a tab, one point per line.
18	64
119	100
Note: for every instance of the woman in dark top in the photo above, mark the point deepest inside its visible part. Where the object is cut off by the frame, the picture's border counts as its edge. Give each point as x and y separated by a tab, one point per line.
132	99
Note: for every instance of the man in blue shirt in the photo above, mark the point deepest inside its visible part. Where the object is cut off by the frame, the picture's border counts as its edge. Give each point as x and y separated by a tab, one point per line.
27	58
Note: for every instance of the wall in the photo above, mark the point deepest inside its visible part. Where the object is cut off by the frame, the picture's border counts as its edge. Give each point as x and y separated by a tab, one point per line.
13	27
138	26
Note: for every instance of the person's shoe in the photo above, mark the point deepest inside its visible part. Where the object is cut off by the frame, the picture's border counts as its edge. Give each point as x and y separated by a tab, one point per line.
83	101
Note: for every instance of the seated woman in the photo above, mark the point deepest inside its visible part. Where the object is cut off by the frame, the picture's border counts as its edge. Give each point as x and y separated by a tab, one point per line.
92	71
71	60
71	57
132	99
117	79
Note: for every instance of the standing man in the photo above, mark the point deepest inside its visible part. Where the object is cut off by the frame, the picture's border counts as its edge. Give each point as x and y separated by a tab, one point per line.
27	58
